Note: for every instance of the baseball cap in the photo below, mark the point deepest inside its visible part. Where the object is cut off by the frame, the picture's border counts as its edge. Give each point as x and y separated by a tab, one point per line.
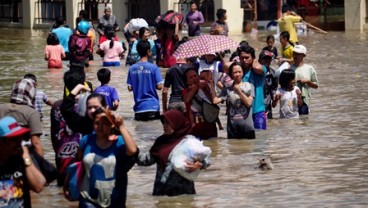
300	49
9	128
265	54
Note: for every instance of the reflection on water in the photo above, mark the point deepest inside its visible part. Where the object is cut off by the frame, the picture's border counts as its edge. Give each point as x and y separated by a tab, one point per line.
320	160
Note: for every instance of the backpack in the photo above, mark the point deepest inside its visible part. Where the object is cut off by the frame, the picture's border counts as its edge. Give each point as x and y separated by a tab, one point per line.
82	50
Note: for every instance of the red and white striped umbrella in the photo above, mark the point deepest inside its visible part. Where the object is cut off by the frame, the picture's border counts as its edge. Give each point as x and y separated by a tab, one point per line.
204	44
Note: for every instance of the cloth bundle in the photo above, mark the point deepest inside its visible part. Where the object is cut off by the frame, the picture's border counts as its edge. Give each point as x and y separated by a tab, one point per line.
189	150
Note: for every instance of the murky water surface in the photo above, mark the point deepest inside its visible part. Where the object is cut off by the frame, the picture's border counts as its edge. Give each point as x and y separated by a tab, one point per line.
320	160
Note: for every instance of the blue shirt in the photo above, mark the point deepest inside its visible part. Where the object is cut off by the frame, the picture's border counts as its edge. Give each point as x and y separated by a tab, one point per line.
257	80
143	77
134	51
63	33
104	167
109	93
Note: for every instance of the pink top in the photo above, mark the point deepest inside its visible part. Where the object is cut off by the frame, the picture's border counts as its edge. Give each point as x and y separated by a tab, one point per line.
54	52
111	54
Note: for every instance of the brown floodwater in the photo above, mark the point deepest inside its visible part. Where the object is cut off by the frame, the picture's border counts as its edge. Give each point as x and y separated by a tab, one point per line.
319	161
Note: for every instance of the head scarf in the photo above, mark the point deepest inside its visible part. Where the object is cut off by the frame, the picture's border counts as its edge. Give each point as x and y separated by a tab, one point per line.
164	144
24	92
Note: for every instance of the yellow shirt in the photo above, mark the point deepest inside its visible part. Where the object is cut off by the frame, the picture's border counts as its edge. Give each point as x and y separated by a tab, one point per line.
92	35
287	52
287	24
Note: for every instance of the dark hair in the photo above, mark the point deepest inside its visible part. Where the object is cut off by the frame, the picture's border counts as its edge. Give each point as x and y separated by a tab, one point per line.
30	76
270	37
73	77
104	75
97	111
186	72
193	2
285	8
220	13
246	49
142	30
286	36
59	20
110	36
77	67
83	14
183	40
243	42
233	55
264	55
100	97
143	47
232	67
78	20
111	118
52	39
285	77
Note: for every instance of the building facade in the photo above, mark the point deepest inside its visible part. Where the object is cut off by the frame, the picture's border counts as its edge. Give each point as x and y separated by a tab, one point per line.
328	14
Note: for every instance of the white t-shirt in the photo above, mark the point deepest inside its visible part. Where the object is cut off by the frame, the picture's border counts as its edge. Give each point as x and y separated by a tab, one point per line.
288	103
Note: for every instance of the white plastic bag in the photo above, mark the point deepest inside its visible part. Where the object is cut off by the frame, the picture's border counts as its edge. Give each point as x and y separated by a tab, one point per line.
82	103
189	150
136	24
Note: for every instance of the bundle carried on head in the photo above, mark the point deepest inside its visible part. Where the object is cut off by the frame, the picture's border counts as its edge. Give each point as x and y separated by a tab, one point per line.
168	19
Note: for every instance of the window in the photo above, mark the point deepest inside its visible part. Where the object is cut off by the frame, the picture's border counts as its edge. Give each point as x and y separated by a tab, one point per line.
146	9
11	11
48	10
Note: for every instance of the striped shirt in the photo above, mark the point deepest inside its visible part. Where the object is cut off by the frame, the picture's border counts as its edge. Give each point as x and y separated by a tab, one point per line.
41	98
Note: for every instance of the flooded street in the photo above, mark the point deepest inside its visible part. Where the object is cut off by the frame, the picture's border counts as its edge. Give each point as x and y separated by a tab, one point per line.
319	161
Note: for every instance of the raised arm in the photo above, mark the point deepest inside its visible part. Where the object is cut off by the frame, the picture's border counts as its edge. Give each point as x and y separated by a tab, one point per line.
257	67
35	178
131	146
176	34
75	122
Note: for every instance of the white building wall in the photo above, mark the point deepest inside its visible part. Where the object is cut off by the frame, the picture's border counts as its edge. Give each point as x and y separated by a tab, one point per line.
355	14
28	13
166	5
120	10
234	14
72	12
